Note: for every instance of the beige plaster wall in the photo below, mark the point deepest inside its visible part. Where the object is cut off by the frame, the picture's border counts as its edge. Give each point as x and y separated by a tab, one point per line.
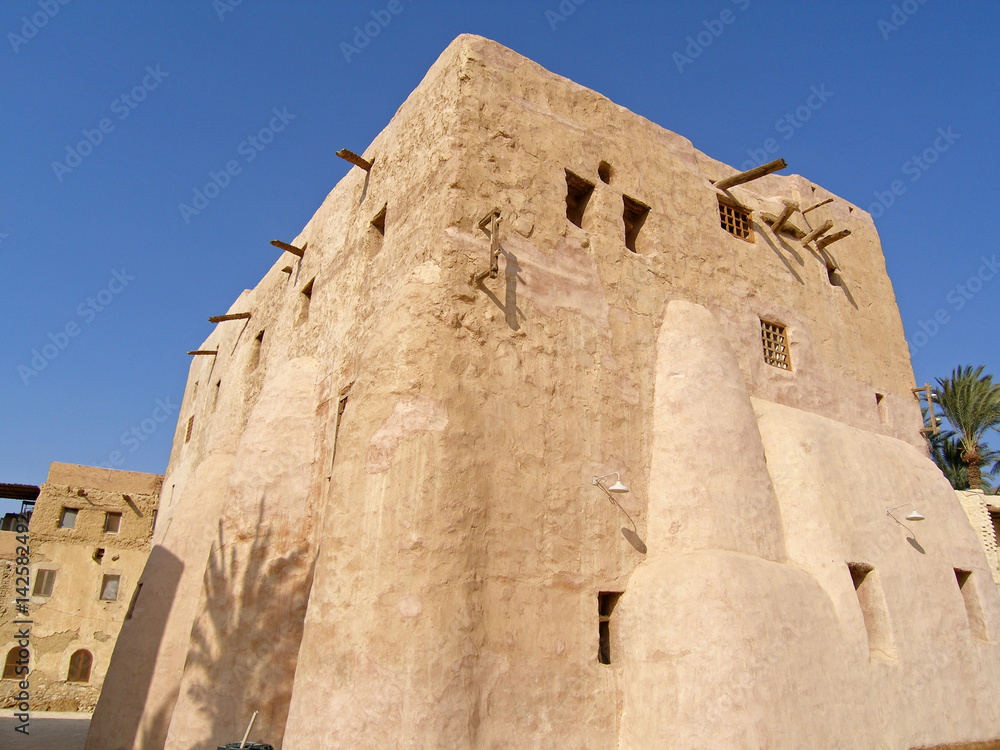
74	617
975	507
438	545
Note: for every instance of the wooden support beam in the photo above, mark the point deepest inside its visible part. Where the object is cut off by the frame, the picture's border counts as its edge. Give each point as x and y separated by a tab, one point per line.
233	316
299	251
784	216
213	352
817	205
751	174
354	159
819	231
830	239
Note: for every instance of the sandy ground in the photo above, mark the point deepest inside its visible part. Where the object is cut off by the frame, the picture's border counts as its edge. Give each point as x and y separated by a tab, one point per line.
48	731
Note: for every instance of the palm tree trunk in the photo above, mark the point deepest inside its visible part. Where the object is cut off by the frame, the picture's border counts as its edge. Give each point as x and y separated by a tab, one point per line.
975	475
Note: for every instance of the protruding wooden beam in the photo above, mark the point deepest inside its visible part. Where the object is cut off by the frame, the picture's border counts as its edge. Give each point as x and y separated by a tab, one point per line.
233	316
785	215
213	352
354	159
819	231
299	251
817	205
751	174
830	239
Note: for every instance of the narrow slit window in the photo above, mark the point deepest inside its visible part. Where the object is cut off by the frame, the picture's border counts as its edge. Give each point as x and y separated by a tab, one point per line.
883	408
379	221
341	406
606	601
44	580
68	518
112	523
215	396
735	220
109	588
604	171
873	608
578	192
634	215
258	343
973	607
79	666
189	430
775	341
305	298
833	275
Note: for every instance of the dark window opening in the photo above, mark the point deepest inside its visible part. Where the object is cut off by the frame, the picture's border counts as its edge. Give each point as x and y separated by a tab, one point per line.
735	220
606	601
604	172
44	580
634	215
68	518
79	666
973	607
873	607
833	275
109	588
578	192
98	555
775	341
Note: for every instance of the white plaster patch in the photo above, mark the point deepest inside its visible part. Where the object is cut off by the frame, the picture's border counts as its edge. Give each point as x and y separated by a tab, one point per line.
410	605
410	415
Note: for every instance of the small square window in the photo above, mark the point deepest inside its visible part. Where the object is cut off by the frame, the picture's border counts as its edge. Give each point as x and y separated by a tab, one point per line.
775	345
112	523
634	215
109	588
735	220
578	192
68	518
44	579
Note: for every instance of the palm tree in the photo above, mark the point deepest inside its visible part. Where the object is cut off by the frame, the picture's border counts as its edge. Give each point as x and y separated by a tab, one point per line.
971	403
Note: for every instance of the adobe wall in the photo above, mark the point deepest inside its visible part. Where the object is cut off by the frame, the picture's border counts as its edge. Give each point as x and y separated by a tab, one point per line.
975	507
73	617
422	567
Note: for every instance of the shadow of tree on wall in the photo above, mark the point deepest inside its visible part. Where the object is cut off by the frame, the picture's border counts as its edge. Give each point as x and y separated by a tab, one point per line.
133	661
245	642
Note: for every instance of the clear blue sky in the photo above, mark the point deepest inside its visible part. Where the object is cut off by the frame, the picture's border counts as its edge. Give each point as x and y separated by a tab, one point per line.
728	74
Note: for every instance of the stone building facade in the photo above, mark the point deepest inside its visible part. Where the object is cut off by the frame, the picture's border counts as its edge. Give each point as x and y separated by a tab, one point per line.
984	518
387	521
88	540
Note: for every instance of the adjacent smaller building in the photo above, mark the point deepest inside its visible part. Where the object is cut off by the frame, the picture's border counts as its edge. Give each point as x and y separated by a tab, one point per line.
88	537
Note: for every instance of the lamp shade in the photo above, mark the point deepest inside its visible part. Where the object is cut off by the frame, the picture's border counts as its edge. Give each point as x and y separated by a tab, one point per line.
618	488
915	516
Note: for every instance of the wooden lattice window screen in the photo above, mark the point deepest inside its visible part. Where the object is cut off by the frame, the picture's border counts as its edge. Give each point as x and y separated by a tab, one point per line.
775	345
736	221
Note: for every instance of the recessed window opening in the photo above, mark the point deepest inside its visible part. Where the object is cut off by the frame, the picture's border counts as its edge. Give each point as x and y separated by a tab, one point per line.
215	396
634	215
258	342
606	601
79	666
190	428
873	608
44	580
68	518
883	408
305	298
735	220
98	555
10	664
604	172
109	588
775	342
112	523
578	192
973	607
833	275
379	221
